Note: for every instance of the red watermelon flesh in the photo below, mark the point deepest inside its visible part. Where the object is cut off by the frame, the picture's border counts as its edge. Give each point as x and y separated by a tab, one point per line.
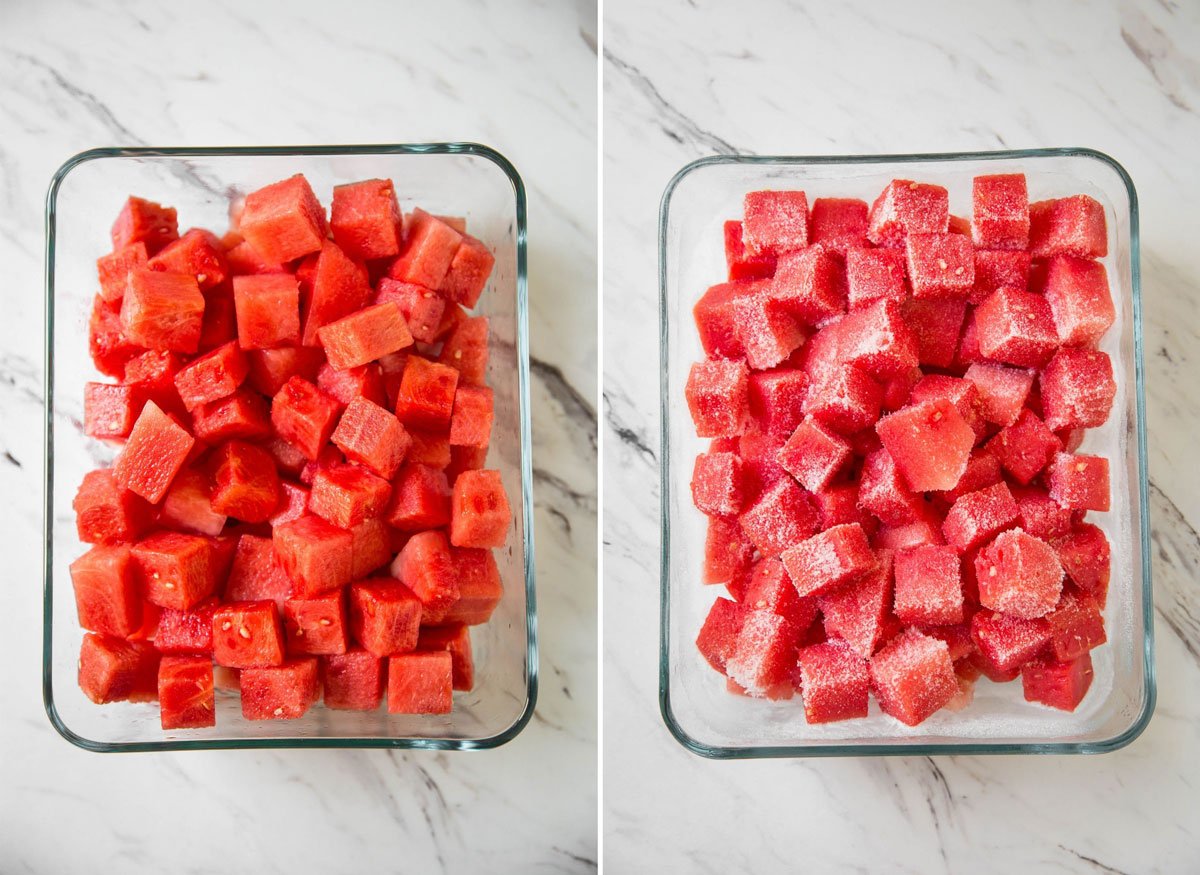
370	547
740	263
835	682
1061	685
186	694
720	483
828	559
776	222
1000	217
109	411
928	588
365	219
162	311
365	381
293	503
860	612
782	517
110	349
284	220
246	483
479	511
107	595
243	415
280	692
472	416
479	586
353	680
213	375
456	640
718	636
930	443
365	335
345	495
765	652
198	253
256	574
777	399
466	349
421	683
727	550
427	252
420	499
810	284
371	436
913	677
425	567
317	556
385	616
978	516
1080	482
1005	643
270	369
177	570
426	396
940	265
112	670
1068	226
875	275
316	626
770	588
422	308
247	634
304	416
838	223
268	310
339	287
143	221
106	513
468	273
189	631
1085	555
999	269
906	207
1079	298
114	269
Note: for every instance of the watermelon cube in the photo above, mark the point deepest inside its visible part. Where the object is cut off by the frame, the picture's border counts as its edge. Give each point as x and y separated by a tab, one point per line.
765	328
345	495
718	636
247	635
776	399
162	311
304	416
999	269
1068	226
189	631
884	492
365	219
930	443
107	344
479	586
114	269
742	264
455	639
1060	685
718	395
143	221
1003	391
109	411
1077	627
244	260
428	250
968	343
940	265
813	455
838	503
875	275
214	375
428	448
365	381
353	681
983	469
371	547
765	652
846	399
365	335
465	459
782	516
876	339
977	517
810	284
1041	515
1019	575
177	570
928	586
316	626
426	396
860	613
370	435
1025	448
1000	211
420	499
720	483
186	695
283	221
1016	328
268	310
468	273
760	452
727	550
107	595
466	350
246	484
906	207
385	616
775	222
835	682
244	415
479	510
958	391
425	567
1080	482
471	417
770	588
107	513
1079	299
421	683
1085	555
937	324
255	574
1077	389
151	377
422	308
922	530
340	286
317	556
270	369
1004	642
829	559
280	692
112	670
198	253
913	677
838	223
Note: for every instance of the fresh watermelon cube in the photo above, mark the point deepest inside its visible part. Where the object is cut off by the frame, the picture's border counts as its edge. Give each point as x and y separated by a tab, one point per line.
426	396
151	377
422	308
365	335
107	513
1025	448
1060	685
371	547
999	269
213	375
875	275
1085	555
316	626
781	517
177	570
304	416
256	574
365	219
429	248
108	346
421	683
775	222
317	556
928	587
770	588
1003	391
741	264
471	417
1019	575
109	411
112	670
813	455
289	460
114	269
339	287
838	223
1077	389
198	253
244	260
107	595
385	616
247	635
860	613
777	398
727	550
466	350
811	284
142	221
765	652
365	381
828	559
465	459
1000	211
162	311
1068	226
720	483
468	273
345	495
428	448
280	692
268	310
186	694
479	586
425	567
244	415
420	499
977	517
906	207
930	443
718	636
284	220
270	369
835	682
940	265
188	631
1016	328
936	324
368	434
766	330
846	399
913	677
456	640
1079	299
479	510
885	493
1080	482
353	681
246	484
1041	515
1077	627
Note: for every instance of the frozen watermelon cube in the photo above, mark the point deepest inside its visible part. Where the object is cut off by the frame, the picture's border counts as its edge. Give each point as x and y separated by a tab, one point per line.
813	455
958	391
455	639
924	529
983	469
720	483
113	670
770	588
186	697
198	253
937	325
1085	555
1041	515
339	286
913	677
760	452
107	595
420	499
479	510
968	343
304	416
1004	642
846	399
959	225
766	330
930	443
718	395
246	635
874	275
479	586
468	273
345	495
385	616
775	222
1000	211
860	613
1068	226
906	207
782	516
177	570
1060	685
421	683
999	269
776	399
940	265
1019	575
838	223
715	316
1003	391
1079	299
316	626
810	284
365	219
837	503
426	568
107	513
245	482
718	636
1016	328
764	654
977	517
365	335
162	311
1080	482
928	586
427	251
876	339
284	220
317	556
353	681
1026	447
143	221
1077	389
835	682
727	550
829	559
280	692
1077	627
268	310
741	264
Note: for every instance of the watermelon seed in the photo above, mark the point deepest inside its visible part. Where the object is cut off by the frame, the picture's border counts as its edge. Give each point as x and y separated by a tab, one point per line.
325	621
201	277
942	263
226	626
458	353
169	585
958	271
1081	466
278	712
299	632
244	632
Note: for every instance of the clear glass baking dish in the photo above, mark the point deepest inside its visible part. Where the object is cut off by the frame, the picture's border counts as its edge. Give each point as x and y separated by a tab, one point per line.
453	178
694	703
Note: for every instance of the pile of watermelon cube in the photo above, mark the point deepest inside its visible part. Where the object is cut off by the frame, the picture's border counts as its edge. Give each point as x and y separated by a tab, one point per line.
300	497
896	399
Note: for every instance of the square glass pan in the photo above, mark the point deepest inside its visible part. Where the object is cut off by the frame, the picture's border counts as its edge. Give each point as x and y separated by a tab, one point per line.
450	178
694	703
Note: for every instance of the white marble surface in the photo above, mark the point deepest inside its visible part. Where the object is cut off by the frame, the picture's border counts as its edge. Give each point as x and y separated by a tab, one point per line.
520	77
687	79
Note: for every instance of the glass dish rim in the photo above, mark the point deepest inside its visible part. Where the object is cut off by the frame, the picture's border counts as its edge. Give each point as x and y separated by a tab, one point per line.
1122	739
522	312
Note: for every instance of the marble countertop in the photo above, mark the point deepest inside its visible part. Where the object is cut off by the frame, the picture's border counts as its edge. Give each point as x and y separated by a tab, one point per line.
520	77
688	79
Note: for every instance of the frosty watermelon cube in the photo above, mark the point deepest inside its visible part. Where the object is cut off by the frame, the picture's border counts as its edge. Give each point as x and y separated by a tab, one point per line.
834	680
1003	391
765	652
978	516
186	695
928	586
1085	555
1000	218
810	284
353	681
1016	328
1079	299
421	683
829	559
1078	389
741	264
999	269
280	692
906	207
860	613
937	324
813	455
1005	642
913	677
1068	226
1025	448
718	635
727	550
776	399
1080	482
283	221
846	399
1060	685
874	275
720	483
766	330
782	516
113	670
479	510
838	223
775	222
1019	575
940	265
1077	627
